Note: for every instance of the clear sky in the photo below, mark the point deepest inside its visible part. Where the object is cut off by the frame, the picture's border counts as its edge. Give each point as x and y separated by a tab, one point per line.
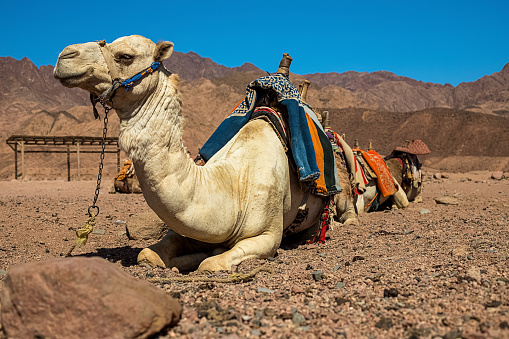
437	41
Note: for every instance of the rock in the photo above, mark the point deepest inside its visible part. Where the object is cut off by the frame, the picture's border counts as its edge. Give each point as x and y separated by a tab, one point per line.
459	252
340	285
447	201
437	176
493	303
424	211
317	275
298	318
82	298
497	175
145	226
474	273
384	323
452	335
264	290
391	293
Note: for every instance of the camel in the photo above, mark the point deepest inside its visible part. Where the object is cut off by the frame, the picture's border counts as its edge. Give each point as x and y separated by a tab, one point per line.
126	180
406	168
233	208
367	195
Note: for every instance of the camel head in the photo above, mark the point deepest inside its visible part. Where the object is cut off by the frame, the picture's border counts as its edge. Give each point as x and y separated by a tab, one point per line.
97	66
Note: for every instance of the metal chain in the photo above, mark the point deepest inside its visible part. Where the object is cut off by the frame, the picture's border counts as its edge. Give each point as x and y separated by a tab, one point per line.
101	164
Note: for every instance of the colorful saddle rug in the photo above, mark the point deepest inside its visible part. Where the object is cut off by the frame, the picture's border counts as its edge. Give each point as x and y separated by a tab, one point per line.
127	171
305	135
384	179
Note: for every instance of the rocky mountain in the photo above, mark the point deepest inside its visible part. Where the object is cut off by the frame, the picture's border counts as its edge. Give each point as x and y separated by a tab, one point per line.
366	106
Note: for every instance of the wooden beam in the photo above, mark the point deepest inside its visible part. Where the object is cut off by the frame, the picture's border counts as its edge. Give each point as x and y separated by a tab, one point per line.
22	159
78	156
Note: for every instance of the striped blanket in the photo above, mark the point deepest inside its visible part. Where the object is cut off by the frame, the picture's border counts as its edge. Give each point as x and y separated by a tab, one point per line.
310	148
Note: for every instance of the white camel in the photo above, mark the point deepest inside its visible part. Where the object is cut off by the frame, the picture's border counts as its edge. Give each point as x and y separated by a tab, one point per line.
233	208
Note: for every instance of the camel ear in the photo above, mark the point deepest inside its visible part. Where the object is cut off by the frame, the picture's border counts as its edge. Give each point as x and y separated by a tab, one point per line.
163	50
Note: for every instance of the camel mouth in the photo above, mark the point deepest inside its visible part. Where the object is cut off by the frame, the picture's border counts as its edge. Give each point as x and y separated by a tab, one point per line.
69	79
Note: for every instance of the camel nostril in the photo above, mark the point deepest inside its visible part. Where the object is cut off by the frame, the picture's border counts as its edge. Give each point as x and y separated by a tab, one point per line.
69	54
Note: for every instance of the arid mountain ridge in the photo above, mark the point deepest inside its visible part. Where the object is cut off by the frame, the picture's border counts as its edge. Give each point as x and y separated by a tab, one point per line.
32	102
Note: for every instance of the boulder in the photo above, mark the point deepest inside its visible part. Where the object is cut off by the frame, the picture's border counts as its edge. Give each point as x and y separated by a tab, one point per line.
497	175
82	298
447	201
145	226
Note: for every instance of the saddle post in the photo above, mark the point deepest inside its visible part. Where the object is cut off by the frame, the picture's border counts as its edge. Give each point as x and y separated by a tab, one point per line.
305	87
284	64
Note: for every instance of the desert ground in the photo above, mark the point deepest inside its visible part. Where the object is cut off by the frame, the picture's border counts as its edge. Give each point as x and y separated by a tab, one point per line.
428	271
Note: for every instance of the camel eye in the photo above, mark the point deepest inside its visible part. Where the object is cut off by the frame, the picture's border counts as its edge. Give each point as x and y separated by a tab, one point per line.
125	57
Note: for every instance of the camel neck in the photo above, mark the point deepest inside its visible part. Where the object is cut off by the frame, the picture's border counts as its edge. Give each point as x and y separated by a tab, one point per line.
152	136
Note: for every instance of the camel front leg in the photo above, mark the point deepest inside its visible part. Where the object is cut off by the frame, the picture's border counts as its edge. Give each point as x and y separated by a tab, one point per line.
167	251
261	246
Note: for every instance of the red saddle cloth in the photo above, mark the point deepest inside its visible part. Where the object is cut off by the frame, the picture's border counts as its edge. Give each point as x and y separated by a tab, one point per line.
384	177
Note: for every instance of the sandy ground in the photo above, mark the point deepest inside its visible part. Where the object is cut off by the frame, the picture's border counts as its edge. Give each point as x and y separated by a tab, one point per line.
428	271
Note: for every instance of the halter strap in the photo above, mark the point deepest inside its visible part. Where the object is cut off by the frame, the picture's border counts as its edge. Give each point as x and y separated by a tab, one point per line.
116	80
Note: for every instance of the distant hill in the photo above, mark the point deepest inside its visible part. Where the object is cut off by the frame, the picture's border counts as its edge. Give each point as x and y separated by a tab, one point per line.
467	120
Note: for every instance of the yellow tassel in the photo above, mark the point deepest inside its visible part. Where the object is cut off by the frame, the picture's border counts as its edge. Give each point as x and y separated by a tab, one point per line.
82	233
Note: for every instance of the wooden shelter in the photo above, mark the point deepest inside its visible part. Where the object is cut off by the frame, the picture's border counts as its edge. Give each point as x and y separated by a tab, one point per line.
22	144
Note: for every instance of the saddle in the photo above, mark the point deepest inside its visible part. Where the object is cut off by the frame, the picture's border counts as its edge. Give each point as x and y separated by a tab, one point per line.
374	163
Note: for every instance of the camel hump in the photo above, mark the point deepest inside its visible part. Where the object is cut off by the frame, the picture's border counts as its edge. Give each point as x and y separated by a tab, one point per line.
284	64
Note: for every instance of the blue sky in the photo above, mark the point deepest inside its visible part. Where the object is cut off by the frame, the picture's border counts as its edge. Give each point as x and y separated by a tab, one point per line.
437	41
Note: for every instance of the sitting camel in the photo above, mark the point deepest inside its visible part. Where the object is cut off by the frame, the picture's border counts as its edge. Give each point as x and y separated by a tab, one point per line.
233	208
406	168
126	180
368	194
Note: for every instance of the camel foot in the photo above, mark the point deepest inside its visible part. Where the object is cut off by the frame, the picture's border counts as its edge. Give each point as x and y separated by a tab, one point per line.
351	222
149	257
213	264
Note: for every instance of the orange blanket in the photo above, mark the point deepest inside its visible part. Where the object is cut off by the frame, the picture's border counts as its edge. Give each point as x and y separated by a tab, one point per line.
377	164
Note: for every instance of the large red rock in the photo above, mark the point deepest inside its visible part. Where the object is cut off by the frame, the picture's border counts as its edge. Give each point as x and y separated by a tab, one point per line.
82	298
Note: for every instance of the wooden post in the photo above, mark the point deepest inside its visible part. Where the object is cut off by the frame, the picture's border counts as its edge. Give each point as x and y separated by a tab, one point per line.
16	160
118	158
22	159
68	164
78	156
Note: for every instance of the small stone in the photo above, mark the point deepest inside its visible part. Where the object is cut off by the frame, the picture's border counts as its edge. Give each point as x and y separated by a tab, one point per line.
98	231
384	323
264	290
309	267
317	275
391	293
424	211
340	285
357	258
447	201
337	267
2	273
497	175
298	318
469	257
460	252
474	273
297	289
347	263
493	303
175	270
255	333
452	335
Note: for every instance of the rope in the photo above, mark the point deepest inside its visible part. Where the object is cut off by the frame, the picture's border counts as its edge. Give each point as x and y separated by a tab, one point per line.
82	234
233	278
